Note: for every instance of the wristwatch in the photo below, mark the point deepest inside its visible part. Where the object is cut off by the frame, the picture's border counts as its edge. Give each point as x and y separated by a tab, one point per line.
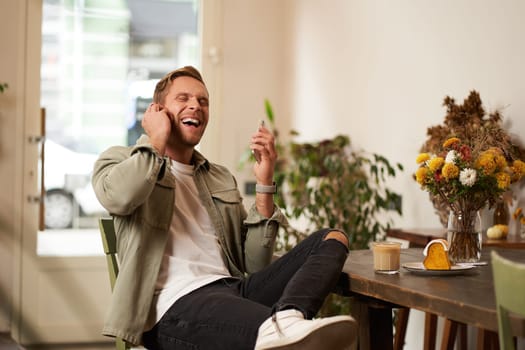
265	188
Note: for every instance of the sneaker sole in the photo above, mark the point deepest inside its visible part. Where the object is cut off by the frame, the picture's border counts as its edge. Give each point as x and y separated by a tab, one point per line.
340	335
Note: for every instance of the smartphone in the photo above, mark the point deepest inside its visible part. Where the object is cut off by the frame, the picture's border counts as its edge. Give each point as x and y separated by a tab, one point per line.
256	154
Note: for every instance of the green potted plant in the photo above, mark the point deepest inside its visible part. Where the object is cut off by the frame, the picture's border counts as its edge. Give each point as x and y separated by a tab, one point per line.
3	87
331	184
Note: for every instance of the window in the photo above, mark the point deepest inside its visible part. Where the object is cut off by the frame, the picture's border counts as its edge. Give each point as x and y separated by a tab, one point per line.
100	62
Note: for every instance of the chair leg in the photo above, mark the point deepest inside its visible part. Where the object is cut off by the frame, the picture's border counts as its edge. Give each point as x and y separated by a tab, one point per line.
121	344
463	340
488	340
401	328
429	342
450	329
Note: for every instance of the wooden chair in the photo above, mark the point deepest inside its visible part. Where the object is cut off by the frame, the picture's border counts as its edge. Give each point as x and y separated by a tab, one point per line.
450	330
109	241
509	287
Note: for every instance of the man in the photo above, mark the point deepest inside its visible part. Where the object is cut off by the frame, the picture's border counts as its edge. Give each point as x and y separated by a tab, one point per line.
195	268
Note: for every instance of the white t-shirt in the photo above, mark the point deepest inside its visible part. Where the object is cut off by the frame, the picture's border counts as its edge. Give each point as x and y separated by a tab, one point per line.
192	257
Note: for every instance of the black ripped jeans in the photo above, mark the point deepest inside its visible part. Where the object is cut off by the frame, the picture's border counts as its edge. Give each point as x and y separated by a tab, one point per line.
227	313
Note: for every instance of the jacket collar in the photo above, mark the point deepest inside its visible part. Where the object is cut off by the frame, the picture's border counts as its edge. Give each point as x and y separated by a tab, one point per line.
197	158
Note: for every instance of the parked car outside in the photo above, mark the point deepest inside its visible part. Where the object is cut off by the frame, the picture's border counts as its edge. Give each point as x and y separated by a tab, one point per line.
68	191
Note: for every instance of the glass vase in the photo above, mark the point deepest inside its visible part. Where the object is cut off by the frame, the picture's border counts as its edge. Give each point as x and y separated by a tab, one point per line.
464	236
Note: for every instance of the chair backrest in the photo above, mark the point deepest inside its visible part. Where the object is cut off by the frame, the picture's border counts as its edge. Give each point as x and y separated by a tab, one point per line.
509	287
109	242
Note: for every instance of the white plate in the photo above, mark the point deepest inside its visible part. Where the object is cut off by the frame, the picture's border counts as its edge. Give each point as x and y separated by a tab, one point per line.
419	268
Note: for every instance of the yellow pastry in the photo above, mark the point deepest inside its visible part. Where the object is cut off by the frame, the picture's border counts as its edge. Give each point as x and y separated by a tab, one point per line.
436	255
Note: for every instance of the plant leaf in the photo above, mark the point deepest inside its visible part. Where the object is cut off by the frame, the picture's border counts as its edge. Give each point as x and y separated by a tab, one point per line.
269	111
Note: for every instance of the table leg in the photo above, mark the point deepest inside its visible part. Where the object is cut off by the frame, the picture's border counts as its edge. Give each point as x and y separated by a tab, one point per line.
429	341
360	313
375	320
401	328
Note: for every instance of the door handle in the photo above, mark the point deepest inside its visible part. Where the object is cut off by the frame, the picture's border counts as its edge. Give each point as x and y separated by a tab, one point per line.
34	199
40	140
36	139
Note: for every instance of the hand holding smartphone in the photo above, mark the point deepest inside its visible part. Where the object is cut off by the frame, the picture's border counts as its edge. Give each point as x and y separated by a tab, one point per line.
256	153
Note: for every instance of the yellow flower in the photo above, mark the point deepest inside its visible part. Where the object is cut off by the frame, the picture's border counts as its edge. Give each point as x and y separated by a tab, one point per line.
422	157
503	180
519	168
435	163
486	162
518	215
451	141
421	175
469	171
500	161
495	151
450	171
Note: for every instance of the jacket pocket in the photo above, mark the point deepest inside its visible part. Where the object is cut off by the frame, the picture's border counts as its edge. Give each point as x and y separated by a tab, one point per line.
228	196
228	204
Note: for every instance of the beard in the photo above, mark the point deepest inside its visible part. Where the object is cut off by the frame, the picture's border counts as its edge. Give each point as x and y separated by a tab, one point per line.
185	136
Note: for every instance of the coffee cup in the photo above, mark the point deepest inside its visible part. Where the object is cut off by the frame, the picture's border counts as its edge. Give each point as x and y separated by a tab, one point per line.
386	257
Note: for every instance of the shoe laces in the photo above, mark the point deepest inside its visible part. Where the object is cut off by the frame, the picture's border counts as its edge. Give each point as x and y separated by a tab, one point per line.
276	324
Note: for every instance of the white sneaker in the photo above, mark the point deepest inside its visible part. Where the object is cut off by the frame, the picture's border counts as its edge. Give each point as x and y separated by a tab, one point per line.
289	330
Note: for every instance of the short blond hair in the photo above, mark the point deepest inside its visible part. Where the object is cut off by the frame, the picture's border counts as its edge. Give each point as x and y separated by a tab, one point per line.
161	89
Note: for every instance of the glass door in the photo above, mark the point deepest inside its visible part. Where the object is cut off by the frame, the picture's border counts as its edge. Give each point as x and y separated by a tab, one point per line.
99	62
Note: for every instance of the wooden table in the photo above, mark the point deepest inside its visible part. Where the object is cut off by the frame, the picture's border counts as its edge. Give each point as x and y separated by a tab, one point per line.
467	298
419	237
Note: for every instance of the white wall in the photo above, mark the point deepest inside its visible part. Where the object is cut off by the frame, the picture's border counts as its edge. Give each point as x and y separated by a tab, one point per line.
253	68
379	70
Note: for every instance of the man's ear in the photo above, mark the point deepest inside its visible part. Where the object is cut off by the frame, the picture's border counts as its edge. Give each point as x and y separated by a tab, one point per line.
170	115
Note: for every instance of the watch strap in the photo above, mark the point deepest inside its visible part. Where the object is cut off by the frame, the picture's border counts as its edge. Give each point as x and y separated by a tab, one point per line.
265	188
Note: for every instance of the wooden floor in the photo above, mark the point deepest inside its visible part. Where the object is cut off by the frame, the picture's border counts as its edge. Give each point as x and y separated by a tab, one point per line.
104	346
6	343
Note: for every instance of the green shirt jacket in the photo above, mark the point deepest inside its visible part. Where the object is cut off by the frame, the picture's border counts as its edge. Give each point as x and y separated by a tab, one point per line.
137	188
